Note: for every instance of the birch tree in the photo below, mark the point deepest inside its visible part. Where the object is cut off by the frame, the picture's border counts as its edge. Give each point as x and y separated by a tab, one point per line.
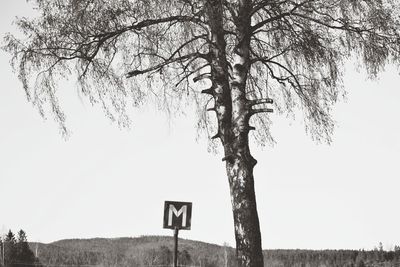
233	59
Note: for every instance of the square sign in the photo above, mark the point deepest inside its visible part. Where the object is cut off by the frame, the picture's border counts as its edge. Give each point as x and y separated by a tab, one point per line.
177	215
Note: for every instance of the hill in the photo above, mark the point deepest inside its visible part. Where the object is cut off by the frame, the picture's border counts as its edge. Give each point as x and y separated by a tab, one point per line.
140	251
157	251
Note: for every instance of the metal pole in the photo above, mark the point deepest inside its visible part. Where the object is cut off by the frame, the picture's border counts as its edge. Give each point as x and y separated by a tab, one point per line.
176	247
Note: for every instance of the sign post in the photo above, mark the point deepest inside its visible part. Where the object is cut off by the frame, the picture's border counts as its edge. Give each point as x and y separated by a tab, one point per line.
176	231
177	215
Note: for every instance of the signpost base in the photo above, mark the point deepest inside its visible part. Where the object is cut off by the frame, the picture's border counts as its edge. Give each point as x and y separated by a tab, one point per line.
176	231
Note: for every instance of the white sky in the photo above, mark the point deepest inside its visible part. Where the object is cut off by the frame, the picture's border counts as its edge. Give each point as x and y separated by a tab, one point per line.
107	182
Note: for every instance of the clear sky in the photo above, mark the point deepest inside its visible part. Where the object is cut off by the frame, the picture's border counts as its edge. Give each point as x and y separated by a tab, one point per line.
108	182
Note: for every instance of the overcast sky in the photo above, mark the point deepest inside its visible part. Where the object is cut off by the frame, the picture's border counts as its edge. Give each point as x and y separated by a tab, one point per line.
108	182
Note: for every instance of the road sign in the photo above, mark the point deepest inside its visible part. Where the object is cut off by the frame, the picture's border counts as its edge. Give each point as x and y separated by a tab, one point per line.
177	215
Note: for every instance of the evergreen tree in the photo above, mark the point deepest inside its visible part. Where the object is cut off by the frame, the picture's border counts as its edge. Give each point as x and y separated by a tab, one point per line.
1	251
9	248
17	251
23	254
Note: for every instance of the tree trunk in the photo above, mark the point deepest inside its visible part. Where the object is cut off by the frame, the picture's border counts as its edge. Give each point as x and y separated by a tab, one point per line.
233	112
240	163
247	228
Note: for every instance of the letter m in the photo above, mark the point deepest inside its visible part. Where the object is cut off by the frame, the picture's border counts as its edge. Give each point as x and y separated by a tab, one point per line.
182	211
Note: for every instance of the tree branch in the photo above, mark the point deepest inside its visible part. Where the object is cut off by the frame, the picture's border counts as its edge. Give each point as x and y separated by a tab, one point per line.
280	16
165	63
261	110
260	101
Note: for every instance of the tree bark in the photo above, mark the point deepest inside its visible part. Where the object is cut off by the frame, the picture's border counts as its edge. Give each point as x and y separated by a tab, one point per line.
246	223
233	112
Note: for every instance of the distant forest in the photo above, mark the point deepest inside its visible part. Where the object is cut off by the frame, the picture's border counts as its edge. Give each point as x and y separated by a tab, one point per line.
157	251
15	250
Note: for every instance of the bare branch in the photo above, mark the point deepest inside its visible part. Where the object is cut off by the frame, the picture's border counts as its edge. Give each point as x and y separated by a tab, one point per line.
260	101
163	64
278	17
260	110
201	77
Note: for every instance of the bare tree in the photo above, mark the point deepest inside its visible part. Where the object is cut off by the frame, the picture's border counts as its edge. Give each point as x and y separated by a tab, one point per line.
245	54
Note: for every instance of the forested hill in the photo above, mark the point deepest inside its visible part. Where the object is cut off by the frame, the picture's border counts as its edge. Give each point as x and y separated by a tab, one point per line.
157	250
140	251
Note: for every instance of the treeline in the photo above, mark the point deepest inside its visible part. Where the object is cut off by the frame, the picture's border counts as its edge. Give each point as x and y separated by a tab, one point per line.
157	250
15	251
332	258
